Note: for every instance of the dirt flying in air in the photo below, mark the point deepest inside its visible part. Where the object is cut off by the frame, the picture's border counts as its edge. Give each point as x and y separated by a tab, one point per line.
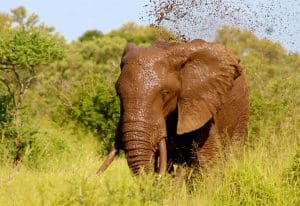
189	19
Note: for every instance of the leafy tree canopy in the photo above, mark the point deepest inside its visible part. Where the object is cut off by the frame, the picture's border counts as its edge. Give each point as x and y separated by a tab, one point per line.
24	46
90	35
142	35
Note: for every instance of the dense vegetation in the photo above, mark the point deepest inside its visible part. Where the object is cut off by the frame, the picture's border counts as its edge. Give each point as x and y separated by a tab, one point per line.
58	113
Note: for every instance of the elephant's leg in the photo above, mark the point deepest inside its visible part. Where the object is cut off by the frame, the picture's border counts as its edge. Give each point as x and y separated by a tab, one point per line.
209	148
232	118
236	146
179	175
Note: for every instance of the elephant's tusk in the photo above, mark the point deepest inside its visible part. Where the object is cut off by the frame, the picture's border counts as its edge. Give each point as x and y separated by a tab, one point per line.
162	156
108	161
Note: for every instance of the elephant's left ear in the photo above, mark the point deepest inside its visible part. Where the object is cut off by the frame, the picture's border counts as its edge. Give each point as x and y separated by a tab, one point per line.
207	73
129	48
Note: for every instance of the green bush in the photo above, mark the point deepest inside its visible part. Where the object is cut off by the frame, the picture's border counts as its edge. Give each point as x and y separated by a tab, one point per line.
96	107
5	108
32	147
90	35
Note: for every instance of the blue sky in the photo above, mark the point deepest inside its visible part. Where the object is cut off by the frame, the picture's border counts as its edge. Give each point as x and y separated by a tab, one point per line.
72	18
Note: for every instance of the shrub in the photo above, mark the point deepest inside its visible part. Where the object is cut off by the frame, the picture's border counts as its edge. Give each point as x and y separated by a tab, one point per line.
95	107
5	108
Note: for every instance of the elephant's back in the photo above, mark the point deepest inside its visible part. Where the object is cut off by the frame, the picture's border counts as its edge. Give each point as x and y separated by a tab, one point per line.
232	118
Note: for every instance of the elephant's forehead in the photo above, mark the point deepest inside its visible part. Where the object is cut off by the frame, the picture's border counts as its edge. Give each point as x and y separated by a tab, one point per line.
142	71
145	57
149	78
140	80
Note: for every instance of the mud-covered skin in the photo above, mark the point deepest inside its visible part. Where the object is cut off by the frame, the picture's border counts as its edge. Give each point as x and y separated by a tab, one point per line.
200	147
192	94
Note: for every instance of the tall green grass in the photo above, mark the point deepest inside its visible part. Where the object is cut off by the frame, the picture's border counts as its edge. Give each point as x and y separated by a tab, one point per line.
267	174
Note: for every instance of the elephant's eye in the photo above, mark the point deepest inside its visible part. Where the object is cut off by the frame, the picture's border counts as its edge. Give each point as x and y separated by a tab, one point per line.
164	93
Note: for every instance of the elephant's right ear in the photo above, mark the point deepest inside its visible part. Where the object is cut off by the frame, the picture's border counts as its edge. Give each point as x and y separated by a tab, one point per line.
128	49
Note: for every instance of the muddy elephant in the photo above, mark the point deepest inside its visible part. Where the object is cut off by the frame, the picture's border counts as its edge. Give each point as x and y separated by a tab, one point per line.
179	102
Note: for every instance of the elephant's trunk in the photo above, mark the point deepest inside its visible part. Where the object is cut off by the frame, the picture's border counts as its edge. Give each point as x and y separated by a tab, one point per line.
141	148
140	153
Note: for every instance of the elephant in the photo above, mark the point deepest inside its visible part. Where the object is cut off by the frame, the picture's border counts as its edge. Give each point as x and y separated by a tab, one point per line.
179	102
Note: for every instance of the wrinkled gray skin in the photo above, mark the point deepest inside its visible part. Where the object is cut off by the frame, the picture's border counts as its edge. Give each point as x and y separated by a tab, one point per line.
191	95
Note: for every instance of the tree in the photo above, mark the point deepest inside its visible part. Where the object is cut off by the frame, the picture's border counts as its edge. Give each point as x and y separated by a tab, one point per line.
5	21
142	35
91	35
25	45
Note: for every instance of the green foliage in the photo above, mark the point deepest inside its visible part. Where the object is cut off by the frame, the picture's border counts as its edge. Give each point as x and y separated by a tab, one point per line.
26	49
293	172
90	35
246	186
102	50
15	146
97	108
85	87
27	44
5	108
245	43
142	35
4	21
133	33
43	147
39	148
24	46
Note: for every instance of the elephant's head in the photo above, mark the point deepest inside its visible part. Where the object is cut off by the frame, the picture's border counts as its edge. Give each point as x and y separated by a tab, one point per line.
190	77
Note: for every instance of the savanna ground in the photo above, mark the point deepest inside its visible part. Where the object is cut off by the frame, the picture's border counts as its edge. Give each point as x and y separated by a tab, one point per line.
70	111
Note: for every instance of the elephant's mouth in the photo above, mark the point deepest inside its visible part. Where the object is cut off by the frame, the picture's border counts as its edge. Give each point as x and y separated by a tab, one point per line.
142	153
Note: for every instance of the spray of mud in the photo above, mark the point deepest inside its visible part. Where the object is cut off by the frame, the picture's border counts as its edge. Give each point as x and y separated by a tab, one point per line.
189	19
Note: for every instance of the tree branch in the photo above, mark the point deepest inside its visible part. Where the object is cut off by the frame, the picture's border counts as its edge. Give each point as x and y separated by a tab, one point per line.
18	78
27	82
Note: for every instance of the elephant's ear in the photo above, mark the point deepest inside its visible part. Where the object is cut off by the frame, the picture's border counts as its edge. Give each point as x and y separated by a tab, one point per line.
129	48
207	74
